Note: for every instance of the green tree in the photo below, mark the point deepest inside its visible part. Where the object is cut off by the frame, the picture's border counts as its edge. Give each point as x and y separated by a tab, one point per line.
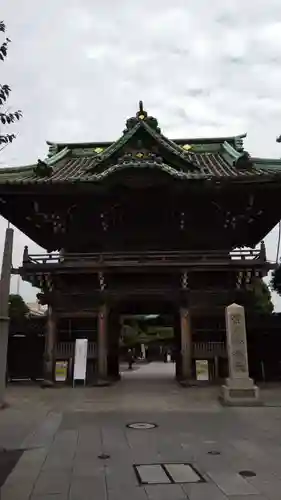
275	283
258	298
6	116
17	307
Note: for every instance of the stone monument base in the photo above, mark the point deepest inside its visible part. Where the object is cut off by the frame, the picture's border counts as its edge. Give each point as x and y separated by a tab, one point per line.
241	392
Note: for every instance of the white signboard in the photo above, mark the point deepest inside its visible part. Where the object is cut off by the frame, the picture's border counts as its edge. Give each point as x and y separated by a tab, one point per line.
80	359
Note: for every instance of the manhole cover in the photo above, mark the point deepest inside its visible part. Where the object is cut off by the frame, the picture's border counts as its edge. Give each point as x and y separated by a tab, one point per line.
141	425
104	456
247	473
214	452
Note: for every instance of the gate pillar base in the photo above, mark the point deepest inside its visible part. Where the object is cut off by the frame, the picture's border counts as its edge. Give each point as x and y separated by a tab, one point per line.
187	382
45	384
101	383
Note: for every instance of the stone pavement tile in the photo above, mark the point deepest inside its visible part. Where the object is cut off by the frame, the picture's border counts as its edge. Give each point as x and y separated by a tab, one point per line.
231	483
211	462
28	467
65	443
57	463
17	491
49	497
66	437
175	452
249	448
92	452
127	493
89	441
86	422
62	450
44	434
17	423
88	468
269	486
85	488
248	497
203	491
114	439
120	475
165	492
92	457
59	459
52	483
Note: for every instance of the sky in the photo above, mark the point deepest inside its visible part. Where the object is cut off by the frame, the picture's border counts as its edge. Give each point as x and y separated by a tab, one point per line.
79	68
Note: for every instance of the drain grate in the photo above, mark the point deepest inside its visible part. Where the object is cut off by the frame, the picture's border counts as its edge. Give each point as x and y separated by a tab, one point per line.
103	456
141	425
167	473
247	473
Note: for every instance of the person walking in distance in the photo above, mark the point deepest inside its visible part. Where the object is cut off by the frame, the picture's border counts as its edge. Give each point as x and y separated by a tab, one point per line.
130	359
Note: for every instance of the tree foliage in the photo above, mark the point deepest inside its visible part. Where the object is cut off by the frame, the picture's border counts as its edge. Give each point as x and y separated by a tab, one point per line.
258	299
275	282
17	307
136	332
6	117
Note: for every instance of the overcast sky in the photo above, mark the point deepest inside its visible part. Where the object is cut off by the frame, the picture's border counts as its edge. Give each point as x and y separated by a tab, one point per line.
78	69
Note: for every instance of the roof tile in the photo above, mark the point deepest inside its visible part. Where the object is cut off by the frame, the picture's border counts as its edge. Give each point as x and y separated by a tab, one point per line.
205	159
210	165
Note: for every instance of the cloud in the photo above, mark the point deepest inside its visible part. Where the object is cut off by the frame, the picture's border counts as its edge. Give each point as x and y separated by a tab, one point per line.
79	68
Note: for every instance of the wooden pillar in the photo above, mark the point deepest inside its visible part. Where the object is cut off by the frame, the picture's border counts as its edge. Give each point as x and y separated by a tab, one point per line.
50	346
102	343
113	335
4	308
186	344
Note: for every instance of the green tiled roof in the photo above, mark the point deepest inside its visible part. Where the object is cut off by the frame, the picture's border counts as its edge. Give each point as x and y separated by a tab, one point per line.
211	158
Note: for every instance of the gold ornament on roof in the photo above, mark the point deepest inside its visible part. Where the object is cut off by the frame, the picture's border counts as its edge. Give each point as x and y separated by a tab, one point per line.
98	150
186	147
141	114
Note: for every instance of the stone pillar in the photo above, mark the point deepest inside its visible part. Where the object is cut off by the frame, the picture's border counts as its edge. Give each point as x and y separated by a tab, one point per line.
50	346
186	345
4	309
102	343
239	388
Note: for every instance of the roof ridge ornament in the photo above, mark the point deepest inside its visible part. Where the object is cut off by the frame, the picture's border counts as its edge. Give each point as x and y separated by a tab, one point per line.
244	162
142	116
42	169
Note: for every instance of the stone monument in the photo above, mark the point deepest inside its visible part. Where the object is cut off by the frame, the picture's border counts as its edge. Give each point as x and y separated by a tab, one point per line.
239	388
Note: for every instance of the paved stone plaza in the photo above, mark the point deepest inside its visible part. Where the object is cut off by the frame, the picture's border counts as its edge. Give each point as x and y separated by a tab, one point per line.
78	445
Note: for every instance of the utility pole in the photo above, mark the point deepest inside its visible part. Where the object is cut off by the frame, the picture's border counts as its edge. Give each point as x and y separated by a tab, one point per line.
4	308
